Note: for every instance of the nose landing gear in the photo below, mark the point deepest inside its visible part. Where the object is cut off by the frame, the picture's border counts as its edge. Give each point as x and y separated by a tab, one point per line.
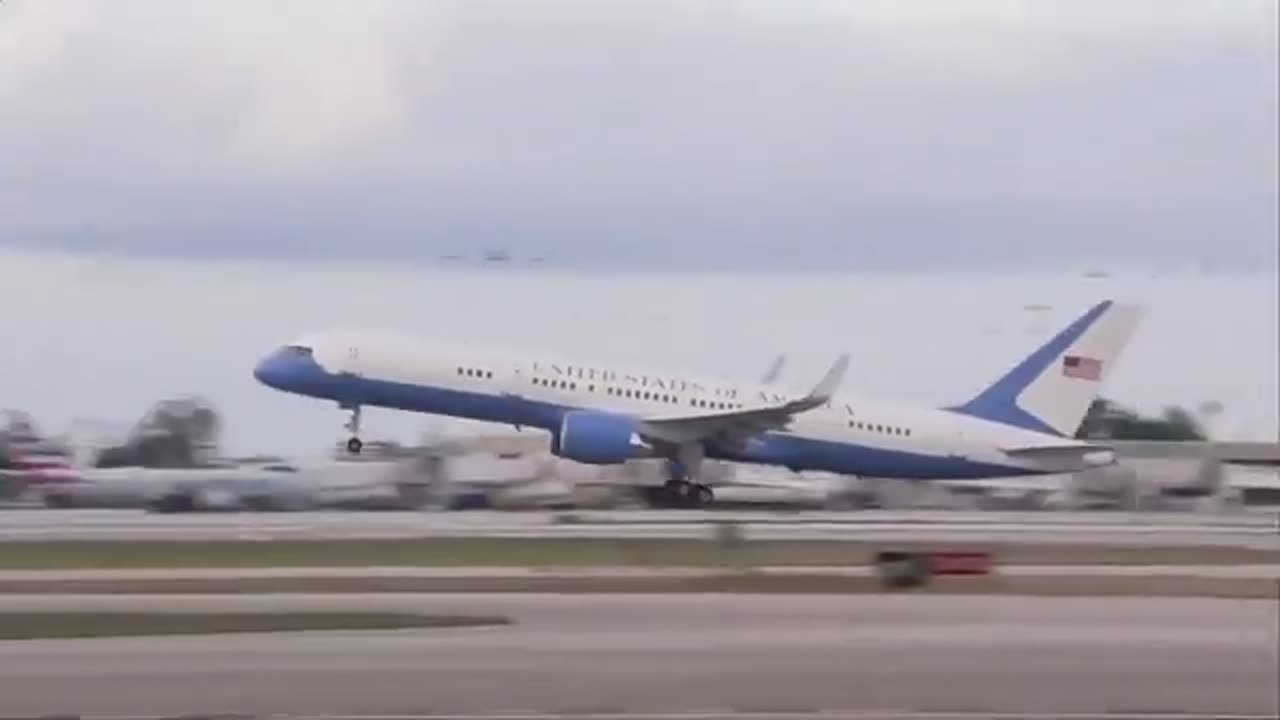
354	445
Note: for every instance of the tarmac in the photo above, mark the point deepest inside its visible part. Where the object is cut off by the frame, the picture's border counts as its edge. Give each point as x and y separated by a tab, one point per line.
705	655
1244	529
128	574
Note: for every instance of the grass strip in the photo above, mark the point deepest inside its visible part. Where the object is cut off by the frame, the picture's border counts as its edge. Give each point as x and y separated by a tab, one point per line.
510	552
33	625
723	582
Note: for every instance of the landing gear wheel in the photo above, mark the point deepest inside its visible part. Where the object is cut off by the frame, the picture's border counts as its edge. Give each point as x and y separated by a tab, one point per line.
354	446
674	494
703	496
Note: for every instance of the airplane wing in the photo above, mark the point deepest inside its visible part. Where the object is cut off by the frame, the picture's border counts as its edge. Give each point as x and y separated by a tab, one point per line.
746	421
775	371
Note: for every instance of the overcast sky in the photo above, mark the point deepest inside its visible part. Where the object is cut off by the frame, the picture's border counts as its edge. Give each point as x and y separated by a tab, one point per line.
105	339
802	132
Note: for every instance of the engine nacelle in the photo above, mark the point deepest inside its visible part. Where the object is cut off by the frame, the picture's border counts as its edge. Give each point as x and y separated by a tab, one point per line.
598	438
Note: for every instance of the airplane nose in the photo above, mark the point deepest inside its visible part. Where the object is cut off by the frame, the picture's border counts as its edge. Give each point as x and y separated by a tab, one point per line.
270	371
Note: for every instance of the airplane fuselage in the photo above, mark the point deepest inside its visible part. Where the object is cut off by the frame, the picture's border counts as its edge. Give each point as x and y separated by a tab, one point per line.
846	435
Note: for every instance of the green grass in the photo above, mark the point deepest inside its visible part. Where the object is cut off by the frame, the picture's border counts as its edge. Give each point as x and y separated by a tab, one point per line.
33	625
562	552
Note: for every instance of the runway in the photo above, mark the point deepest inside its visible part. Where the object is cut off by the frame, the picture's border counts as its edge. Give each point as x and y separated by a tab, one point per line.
1255	530
127	574
639	654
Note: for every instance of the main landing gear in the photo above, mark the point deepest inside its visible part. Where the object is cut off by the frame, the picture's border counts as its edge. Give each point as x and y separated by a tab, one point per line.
682	493
682	488
354	445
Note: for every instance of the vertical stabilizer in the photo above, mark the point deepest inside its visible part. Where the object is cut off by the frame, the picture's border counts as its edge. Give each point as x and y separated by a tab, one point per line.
1052	389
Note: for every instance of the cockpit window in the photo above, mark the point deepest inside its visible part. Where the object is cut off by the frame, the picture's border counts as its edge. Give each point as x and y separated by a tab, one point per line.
299	350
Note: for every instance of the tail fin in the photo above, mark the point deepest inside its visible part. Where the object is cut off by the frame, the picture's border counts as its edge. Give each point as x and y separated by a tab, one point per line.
1052	389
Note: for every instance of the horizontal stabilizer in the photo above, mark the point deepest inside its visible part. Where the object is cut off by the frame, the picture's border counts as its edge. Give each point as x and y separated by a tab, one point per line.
1088	454
1028	450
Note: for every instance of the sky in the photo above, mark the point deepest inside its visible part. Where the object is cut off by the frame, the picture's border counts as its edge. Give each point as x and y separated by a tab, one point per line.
185	185
99	340
806	134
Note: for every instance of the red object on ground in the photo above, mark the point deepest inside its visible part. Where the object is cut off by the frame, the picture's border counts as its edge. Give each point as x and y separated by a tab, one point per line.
961	563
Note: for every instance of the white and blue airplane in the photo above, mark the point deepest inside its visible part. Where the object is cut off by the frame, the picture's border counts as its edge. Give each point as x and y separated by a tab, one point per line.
1022	424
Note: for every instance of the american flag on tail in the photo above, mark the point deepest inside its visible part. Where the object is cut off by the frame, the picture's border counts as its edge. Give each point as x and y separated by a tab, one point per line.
1083	368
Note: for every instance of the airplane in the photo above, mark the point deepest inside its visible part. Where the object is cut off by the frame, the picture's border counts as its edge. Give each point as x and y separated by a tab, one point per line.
1021	425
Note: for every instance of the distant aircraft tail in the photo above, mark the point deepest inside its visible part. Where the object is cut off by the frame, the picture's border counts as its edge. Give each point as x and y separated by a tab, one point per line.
1052	389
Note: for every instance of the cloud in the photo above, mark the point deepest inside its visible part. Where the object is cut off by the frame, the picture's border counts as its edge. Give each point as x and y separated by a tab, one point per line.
913	131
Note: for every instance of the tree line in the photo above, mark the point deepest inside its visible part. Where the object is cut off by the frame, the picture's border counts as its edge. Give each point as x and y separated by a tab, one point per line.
1107	419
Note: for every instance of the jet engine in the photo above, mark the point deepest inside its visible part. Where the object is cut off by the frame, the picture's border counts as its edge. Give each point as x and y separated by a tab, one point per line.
598	438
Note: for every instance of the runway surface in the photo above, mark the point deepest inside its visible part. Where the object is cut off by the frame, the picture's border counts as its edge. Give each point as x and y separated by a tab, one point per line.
1201	571
1257	530
674	654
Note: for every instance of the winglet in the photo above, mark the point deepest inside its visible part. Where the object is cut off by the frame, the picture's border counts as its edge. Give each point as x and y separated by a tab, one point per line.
775	371
827	387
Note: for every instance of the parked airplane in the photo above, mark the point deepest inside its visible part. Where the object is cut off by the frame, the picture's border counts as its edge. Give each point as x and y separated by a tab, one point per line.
1021	425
